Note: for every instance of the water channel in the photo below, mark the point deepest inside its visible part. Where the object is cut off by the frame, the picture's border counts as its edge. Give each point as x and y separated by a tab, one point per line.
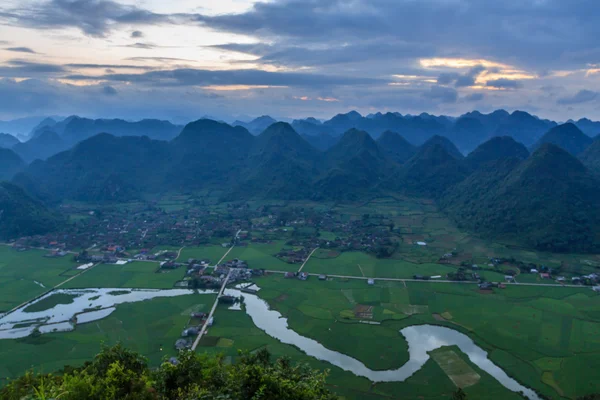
421	340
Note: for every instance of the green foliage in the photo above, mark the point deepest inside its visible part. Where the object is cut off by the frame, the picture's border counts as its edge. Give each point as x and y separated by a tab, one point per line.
118	373
548	202
459	394
21	215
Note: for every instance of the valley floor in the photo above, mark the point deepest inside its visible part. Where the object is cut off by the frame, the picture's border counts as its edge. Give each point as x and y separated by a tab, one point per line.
543	334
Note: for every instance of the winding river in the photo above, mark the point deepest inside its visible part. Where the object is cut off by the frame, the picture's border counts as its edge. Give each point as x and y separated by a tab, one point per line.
421	339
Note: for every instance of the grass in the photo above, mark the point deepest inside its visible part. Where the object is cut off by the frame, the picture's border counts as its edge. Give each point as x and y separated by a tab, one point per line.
137	274
262	255
362	264
50	302
528	331
212	253
149	327
19	272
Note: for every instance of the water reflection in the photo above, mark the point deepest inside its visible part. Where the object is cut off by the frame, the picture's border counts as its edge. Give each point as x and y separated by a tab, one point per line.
87	305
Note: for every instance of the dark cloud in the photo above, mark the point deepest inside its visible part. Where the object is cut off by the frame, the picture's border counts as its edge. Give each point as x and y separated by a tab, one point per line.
21	50
583	96
140	45
159	59
25	69
109	91
251	77
461	80
108	66
137	34
504	83
474	97
442	94
93	17
534	33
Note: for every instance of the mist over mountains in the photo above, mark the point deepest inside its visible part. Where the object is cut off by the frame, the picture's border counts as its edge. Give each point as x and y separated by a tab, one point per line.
510	176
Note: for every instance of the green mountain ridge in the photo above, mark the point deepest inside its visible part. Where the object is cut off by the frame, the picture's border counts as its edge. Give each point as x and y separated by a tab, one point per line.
568	136
547	202
497	148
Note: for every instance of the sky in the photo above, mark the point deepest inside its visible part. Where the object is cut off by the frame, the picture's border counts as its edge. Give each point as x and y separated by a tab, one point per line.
228	59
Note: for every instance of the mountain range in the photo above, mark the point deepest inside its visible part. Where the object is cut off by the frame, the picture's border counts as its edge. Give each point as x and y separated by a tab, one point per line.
499	189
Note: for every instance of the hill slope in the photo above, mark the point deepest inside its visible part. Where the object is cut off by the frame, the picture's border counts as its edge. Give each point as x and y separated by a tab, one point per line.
354	166
102	168
21	215
40	147
567	136
445	143
7	141
10	164
548	201
281	164
591	157
497	148
396	147
431	172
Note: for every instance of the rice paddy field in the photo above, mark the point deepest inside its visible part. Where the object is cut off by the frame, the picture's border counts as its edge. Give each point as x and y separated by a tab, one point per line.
213	253
262	256
149	327
548	338
235	331
137	274
25	275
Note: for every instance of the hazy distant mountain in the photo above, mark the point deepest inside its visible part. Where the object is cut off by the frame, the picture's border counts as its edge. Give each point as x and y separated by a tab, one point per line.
7	141
590	128
497	148
310	127
44	145
467	133
321	141
567	136
256	126
431	171
523	127
21	215
10	164
548	201
396	147
78	129
20	126
445	143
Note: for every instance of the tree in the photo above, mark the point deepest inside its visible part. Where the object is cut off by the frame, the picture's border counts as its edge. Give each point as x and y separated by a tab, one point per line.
118	373
459	394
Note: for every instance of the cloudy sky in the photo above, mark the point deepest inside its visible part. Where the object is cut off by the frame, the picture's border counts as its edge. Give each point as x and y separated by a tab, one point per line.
184	59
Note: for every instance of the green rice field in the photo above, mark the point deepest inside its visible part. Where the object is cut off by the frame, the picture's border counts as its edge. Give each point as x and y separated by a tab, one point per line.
149	327
25	275
137	274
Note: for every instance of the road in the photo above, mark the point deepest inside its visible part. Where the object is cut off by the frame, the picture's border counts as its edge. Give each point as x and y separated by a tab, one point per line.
179	252
212	311
436	280
231	248
307	258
